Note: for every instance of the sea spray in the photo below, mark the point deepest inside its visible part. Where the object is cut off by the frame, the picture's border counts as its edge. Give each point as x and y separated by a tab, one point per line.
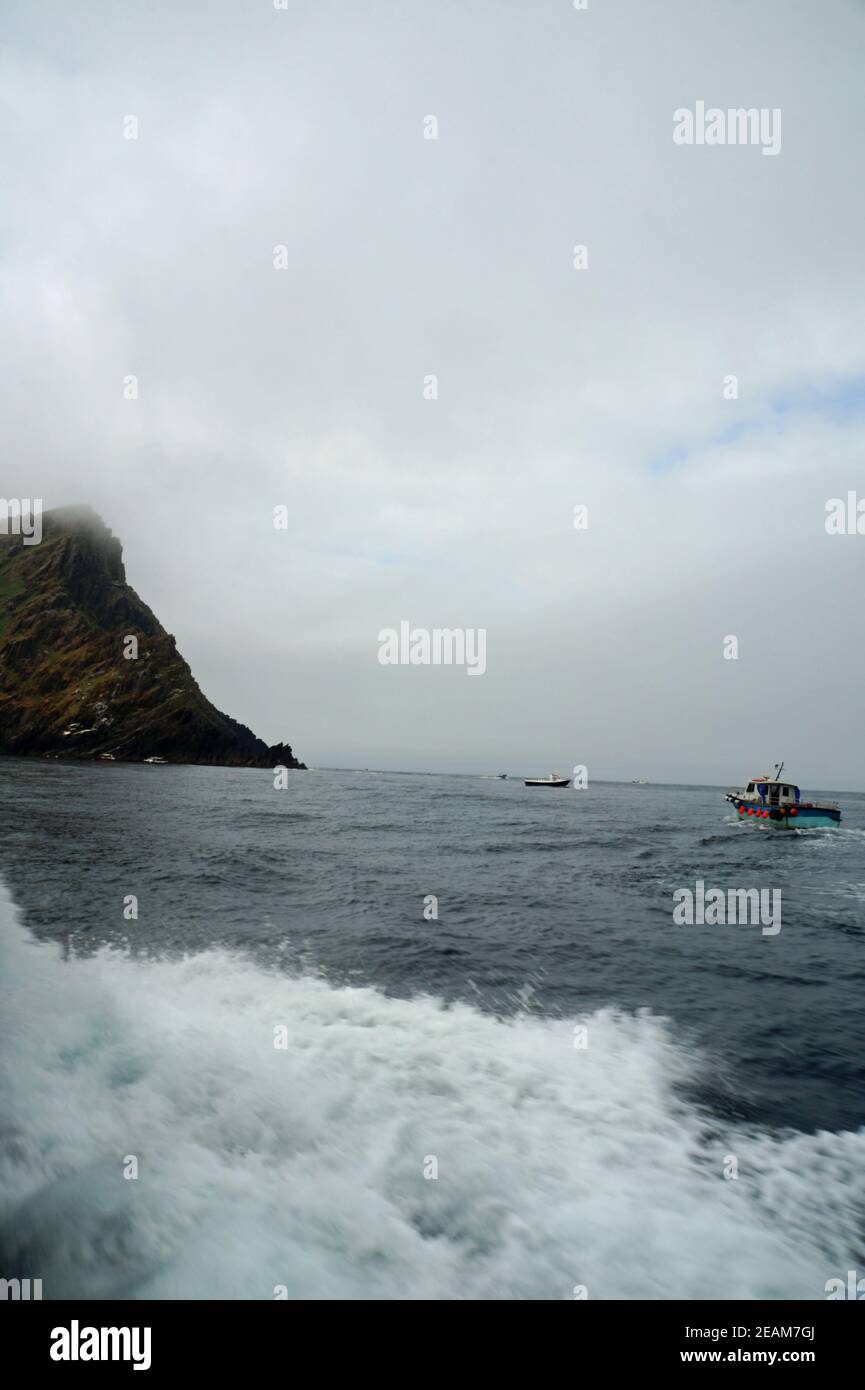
308	1168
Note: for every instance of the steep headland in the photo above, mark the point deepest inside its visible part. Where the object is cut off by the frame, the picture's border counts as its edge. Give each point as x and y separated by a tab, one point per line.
66	686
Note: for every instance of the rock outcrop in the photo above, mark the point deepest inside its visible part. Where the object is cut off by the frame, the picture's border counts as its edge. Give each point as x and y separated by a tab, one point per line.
66	687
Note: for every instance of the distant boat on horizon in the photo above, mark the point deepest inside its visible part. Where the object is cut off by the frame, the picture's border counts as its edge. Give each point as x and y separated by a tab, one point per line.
552	781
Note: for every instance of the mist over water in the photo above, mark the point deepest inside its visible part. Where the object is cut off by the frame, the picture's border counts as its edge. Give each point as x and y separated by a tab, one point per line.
410	1040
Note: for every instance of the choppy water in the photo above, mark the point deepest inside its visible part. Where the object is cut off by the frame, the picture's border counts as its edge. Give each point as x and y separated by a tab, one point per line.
410	1040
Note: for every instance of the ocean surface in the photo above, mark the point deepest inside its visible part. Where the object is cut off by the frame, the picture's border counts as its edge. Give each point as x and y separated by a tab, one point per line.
329	1094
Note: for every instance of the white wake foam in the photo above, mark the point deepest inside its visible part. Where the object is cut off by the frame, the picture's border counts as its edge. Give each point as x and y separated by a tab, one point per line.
304	1167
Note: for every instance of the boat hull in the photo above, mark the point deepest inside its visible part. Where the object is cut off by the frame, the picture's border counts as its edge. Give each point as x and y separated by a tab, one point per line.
789	818
545	782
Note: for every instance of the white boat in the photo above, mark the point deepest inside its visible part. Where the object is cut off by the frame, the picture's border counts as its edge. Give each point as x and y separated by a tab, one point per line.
154	760
552	781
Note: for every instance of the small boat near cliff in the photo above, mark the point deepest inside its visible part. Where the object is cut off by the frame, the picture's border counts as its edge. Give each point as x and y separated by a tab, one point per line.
552	781
778	801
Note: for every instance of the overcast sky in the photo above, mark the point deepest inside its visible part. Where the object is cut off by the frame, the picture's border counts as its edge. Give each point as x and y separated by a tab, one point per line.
407	257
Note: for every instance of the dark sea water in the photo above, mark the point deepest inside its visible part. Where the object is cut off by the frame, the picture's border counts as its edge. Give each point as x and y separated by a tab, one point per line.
411	1045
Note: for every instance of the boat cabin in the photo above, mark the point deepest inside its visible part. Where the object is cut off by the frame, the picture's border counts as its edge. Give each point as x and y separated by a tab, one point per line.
771	791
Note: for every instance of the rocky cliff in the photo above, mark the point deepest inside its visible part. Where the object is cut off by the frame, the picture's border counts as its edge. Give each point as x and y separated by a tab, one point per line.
66	687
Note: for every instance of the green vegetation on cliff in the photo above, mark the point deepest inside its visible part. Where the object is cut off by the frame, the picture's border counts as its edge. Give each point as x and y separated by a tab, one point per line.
66	687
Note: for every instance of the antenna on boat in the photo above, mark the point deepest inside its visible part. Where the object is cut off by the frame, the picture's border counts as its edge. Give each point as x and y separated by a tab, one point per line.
779	768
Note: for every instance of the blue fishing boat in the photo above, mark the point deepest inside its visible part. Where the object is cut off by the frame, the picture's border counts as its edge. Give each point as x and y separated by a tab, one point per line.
776	801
